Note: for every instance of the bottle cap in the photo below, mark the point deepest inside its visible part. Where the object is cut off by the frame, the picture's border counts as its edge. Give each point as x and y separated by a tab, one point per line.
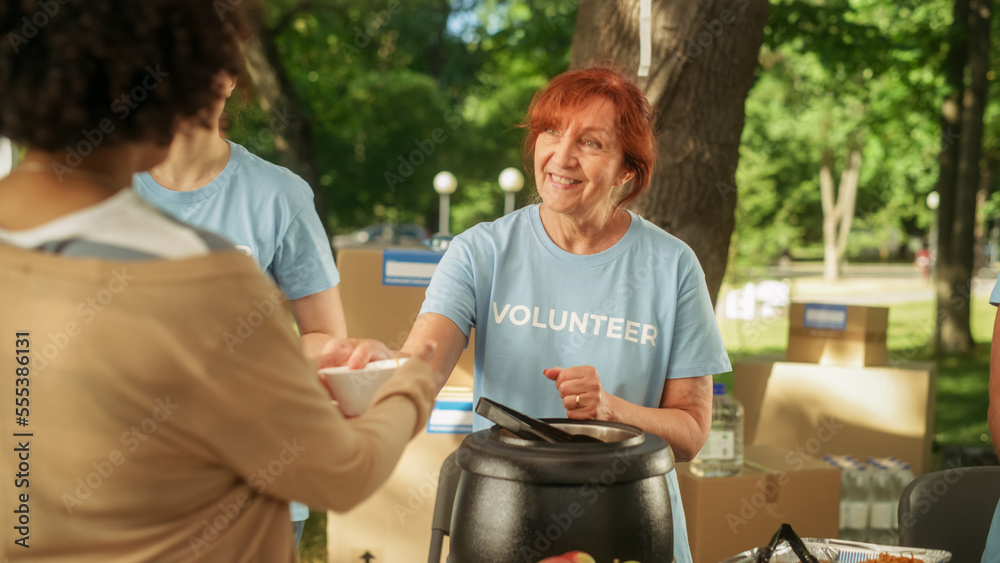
718	389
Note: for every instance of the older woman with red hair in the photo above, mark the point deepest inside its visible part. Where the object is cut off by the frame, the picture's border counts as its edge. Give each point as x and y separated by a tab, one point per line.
582	309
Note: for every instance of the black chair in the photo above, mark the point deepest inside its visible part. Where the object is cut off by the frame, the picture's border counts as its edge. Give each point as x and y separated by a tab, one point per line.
441	521
950	510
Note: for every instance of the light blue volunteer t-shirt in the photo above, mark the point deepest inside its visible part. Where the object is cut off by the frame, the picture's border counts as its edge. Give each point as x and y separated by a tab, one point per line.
267	211
639	312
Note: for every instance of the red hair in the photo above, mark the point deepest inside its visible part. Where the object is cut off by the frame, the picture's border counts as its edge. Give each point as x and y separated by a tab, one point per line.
571	91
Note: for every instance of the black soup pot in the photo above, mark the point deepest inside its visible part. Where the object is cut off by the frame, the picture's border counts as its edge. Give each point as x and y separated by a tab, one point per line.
522	500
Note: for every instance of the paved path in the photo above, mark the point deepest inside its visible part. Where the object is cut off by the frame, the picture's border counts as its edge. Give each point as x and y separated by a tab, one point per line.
867	284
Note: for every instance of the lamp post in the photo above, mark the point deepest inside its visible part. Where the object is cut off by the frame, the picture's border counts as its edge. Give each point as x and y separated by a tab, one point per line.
933	200
511	181
444	184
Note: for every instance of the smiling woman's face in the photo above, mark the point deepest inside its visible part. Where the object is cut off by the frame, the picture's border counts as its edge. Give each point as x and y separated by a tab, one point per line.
579	162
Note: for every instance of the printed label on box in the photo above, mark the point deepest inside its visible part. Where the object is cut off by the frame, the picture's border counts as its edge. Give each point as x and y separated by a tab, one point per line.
412	268
451	417
824	316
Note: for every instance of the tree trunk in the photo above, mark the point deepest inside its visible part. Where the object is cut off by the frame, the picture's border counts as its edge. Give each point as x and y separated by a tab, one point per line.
951	133
293	138
703	60
954	333
838	211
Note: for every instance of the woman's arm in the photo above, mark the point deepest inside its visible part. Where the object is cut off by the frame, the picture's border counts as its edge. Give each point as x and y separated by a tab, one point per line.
449	340
683	418
320	318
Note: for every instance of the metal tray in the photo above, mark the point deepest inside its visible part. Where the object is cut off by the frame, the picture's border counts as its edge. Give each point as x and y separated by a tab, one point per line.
843	551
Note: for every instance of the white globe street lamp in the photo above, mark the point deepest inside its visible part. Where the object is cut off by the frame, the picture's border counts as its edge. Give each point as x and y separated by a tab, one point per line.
511	181
444	184
933	200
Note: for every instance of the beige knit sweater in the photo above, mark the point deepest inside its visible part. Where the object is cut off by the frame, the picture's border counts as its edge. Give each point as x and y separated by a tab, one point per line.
170	415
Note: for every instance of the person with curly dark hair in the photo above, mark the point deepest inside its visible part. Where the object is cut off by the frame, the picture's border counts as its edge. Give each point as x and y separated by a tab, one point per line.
163	408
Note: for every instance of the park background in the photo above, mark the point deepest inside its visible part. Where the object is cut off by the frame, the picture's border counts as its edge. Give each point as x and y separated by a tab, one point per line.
819	145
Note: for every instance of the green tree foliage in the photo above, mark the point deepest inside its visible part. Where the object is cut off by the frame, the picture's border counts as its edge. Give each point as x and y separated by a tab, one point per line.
836	76
397	91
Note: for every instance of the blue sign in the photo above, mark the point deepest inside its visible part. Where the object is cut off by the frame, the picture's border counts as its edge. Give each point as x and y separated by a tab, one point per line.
825	316
412	268
451	417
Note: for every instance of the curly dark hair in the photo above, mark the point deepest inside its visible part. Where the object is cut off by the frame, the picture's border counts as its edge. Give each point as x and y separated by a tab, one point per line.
118	70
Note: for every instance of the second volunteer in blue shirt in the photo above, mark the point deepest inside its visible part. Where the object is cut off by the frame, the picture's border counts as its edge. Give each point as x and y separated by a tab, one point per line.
267	211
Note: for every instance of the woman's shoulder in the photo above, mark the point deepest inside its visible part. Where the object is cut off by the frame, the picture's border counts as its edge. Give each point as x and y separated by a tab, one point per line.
651	233
499	234
258	174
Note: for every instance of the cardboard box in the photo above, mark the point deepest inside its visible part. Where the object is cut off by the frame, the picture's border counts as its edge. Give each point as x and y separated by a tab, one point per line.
819	410
386	312
729	515
394	524
837	335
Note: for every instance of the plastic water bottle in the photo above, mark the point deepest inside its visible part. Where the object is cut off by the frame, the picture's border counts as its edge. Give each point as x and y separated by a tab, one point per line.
884	500
903	476
845	487
856	506
722	454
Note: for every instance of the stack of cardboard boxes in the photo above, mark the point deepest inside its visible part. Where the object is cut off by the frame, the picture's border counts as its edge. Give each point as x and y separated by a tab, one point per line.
837	391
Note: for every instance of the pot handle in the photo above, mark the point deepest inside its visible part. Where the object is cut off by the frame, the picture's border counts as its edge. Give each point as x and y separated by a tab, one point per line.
785	532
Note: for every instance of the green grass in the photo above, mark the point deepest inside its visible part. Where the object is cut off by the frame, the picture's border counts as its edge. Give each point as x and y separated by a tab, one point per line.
313	546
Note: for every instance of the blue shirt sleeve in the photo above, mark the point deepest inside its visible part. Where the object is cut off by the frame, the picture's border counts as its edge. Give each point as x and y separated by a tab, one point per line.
452	291
303	259
697	348
995	295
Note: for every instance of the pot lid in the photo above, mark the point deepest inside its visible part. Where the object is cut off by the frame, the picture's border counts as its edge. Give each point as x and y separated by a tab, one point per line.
626	454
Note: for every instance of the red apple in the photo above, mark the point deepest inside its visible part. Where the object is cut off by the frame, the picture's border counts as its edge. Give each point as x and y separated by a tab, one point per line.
570	557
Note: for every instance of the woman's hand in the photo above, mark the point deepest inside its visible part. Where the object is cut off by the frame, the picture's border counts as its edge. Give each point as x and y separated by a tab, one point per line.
355	353
582	394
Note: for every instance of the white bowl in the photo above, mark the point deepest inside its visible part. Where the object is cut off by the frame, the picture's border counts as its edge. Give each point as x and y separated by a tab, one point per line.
354	389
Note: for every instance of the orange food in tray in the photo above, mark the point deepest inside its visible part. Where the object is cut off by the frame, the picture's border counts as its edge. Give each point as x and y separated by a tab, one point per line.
886	558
